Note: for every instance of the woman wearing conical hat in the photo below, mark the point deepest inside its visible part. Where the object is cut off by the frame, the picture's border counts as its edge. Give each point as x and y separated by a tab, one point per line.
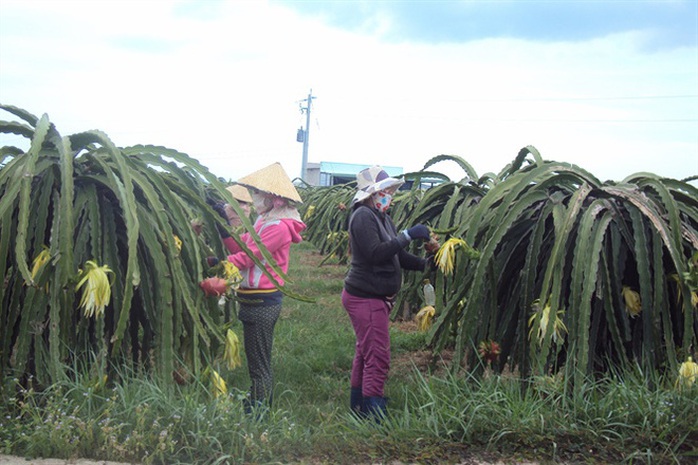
243	198
278	225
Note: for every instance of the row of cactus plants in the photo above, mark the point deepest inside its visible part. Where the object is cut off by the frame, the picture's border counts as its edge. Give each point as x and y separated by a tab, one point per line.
546	266
102	249
559	270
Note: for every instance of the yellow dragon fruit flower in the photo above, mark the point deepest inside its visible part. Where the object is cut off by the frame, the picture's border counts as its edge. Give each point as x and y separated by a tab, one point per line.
97	292
40	260
231	353
38	263
220	388
688	374
178	243
633	304
231	273
424	317
543	317
446	256
309	212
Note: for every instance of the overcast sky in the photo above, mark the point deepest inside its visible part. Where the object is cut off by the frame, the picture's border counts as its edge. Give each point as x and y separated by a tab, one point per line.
611	86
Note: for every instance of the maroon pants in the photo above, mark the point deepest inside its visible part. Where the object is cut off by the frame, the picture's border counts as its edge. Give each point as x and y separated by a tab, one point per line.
370	318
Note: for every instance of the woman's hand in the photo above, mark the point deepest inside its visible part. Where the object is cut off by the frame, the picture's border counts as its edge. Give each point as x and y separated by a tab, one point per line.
432	246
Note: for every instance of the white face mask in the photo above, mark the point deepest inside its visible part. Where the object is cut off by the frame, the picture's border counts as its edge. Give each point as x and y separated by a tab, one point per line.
381	201
261	202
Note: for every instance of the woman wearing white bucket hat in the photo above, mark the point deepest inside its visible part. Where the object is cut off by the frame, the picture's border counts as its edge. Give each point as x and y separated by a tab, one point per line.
377	256
278	225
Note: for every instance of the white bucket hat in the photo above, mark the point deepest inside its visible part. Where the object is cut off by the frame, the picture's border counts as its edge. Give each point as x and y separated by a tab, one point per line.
272	180
372	180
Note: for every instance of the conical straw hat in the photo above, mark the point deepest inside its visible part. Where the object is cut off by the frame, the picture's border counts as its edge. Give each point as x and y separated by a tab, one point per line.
273	180
239	193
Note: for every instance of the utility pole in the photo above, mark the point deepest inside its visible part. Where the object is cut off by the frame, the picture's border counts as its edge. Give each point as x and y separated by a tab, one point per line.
306	135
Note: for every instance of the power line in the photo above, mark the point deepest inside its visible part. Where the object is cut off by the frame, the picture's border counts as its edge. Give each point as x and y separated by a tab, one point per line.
546	99
574	99
481	119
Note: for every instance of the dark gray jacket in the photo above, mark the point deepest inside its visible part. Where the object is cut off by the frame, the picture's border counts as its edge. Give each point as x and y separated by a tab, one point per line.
377	255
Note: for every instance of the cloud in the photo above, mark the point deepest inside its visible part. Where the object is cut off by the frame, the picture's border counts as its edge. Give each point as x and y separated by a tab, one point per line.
223	81
670	23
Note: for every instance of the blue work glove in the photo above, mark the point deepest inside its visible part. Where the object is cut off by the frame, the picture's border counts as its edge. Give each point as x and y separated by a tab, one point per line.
418	231
219	207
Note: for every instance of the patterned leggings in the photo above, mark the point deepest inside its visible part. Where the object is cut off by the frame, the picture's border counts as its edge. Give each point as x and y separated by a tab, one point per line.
258	323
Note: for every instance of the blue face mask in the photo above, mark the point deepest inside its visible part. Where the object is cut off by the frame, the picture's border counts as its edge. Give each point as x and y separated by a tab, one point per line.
381	201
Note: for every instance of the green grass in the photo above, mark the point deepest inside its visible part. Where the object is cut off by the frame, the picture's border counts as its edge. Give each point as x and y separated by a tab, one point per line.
435	416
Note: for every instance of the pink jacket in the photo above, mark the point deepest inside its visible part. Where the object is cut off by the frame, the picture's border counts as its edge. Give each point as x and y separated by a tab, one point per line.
277	236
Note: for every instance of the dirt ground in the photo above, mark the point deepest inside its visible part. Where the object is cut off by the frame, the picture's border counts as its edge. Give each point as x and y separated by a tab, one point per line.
12	460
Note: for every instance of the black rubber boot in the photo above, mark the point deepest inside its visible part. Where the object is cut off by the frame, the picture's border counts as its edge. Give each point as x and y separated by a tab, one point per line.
376	408
357	403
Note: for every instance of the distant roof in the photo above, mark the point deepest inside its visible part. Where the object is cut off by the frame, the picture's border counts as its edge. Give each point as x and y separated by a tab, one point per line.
353	168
